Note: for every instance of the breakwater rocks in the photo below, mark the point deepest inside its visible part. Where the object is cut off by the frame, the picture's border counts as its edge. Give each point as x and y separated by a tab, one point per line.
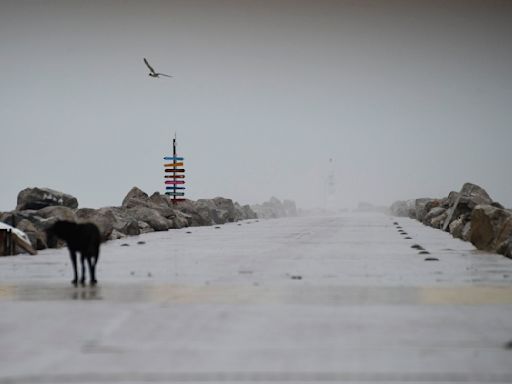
275	208
469	215
38	208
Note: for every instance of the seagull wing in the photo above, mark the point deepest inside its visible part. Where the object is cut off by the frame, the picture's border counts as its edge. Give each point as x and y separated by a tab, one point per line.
163	74
149	66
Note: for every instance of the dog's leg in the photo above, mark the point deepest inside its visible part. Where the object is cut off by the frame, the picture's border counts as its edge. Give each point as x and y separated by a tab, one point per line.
92	269
93	261
72	255
82	257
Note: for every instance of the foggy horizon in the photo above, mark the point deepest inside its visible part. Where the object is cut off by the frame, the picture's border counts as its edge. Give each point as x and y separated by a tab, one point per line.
409	99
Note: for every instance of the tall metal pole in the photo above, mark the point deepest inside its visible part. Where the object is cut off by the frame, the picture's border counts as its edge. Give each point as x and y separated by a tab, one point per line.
174	161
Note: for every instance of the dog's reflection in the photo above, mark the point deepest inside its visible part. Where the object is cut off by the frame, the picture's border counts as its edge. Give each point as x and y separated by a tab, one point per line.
87	293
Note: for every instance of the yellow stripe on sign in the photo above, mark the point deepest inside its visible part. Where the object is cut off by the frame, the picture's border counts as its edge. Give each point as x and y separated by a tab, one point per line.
173	165
466	295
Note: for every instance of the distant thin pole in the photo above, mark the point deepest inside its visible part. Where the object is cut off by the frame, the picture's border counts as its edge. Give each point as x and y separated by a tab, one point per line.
174	162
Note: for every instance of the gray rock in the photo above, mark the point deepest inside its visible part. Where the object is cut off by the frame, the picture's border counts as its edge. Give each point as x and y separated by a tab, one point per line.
150	216
14	217
41	223
438	214
274	208
244	212
404	208
41	220
135	198
37	198
239	212
465	201
115	235
452	198
122	222
161	203
104	220
180	220
456	227
445	202
197	213
207	209
505	248
37	238
145	227
398	208
423	206
249	214
474	195
497	205
58	213
466	231
271	209
490	226
226	211
160	200
438	221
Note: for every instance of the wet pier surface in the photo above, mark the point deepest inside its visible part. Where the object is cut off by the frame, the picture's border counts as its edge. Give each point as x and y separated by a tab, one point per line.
352	298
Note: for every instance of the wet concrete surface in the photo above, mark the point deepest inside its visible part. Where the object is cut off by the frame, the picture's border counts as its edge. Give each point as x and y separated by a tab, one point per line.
209	305
307	295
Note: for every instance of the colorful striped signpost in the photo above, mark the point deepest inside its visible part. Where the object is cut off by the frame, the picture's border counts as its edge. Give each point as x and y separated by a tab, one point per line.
174	176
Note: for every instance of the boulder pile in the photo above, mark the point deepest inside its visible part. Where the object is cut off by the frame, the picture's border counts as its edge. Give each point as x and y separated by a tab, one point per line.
469	215
275	208
39	208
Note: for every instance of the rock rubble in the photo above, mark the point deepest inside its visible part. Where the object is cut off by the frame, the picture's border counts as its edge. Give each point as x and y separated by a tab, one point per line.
38	208
275	208
469	214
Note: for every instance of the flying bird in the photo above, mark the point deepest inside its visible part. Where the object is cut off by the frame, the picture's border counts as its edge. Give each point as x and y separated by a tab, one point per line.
152	72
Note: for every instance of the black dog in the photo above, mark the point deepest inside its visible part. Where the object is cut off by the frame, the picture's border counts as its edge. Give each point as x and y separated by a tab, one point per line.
84	238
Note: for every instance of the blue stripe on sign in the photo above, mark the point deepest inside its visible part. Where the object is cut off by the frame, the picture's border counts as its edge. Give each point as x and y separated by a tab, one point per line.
174	158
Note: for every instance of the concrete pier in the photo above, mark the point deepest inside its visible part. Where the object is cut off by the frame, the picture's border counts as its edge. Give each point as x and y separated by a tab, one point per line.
299	300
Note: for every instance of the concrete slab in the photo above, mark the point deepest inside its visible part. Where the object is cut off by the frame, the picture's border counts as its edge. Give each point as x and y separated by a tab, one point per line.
303	300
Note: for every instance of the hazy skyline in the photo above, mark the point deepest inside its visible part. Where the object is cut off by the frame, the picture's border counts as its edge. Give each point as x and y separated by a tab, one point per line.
410	98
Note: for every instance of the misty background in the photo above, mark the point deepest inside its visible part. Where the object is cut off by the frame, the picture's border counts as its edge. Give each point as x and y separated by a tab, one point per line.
409	98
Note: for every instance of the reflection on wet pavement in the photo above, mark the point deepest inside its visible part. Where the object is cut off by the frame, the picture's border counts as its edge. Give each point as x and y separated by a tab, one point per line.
250	294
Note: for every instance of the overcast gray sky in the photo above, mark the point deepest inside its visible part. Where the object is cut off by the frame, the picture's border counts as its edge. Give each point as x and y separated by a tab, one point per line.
410	98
